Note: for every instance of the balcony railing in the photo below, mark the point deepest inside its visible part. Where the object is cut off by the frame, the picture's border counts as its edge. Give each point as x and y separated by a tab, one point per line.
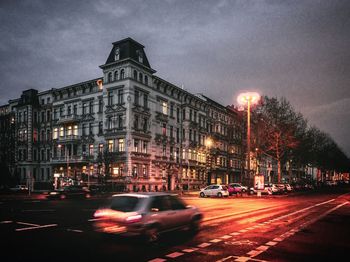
68	138
161	117
69	118
72	159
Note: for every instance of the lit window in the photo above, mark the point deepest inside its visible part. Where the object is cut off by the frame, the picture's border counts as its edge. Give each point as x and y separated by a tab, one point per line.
61	131
69	132
165	108
144	147
55	133
100	148
136	145
110	145
121	147
91	149
75	131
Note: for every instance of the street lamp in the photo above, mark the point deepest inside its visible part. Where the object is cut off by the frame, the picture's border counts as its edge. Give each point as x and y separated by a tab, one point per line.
208	144
249	99
66	152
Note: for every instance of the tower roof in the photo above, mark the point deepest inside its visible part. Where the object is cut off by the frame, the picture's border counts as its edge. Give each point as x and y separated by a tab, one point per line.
125	49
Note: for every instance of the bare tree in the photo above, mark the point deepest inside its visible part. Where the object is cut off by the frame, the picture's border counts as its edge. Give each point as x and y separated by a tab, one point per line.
276	126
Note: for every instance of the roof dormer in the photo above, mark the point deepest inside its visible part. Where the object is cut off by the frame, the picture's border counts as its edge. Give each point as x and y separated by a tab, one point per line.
128	49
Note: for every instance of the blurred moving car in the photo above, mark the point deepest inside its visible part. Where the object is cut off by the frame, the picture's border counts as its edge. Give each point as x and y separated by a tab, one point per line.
72	191
214	190
147	215
19	188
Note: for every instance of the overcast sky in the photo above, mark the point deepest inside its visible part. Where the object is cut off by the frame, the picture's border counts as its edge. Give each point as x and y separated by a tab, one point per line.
296	49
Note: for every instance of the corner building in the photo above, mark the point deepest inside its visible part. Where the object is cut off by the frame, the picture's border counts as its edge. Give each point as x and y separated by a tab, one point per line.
129	128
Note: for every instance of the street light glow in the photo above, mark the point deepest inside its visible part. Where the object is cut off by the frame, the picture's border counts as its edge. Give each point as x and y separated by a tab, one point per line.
244	98
208	142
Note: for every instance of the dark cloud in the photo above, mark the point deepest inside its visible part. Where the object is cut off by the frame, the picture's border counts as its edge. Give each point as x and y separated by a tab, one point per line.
296	49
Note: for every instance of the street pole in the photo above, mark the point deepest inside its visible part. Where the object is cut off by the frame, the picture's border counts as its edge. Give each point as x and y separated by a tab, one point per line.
248	140
248	98
188	175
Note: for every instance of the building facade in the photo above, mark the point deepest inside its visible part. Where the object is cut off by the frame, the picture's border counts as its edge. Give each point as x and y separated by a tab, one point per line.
128	128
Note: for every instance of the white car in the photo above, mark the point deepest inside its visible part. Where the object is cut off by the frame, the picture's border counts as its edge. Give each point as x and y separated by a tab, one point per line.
214	190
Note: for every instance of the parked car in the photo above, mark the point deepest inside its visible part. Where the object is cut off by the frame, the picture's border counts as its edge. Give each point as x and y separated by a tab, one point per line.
267	190
289	188
238	188
97	189
214	190
147	215
19	188
281	188
69	192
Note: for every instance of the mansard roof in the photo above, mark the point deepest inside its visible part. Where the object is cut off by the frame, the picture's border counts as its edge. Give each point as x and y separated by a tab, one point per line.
128	48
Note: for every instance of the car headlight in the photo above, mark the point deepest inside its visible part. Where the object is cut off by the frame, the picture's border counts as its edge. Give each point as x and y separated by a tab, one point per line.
53	193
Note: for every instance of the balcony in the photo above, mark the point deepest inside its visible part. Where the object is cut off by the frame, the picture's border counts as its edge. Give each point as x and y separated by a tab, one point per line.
161	117
69	119
114	131
71	159
68	138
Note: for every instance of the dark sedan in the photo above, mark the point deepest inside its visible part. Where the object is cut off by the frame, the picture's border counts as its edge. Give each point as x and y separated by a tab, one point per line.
69	192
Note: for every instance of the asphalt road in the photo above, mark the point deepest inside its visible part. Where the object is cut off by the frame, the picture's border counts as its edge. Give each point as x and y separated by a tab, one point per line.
310	226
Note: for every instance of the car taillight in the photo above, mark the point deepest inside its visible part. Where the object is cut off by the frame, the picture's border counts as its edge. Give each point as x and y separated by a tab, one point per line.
133	219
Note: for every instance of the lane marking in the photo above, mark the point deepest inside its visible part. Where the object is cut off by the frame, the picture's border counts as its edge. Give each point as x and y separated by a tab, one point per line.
226	237
189	250
257	251
75	230
204	245
6	222
174	255
254	253
38	227
157	260
263	248
215	240
278	239
28	224
241	259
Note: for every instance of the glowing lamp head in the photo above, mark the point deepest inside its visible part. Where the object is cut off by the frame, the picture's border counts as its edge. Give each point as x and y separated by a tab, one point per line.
99	83
208	142
252	97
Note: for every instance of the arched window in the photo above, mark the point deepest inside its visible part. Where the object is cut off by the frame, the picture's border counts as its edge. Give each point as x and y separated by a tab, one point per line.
146	80
109	77
135	74
115	75
122	74
140	77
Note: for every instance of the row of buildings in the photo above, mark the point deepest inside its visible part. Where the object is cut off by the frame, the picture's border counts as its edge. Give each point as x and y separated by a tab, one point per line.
128	127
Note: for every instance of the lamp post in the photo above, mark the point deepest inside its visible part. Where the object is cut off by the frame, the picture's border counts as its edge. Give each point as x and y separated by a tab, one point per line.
248	99
208	144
